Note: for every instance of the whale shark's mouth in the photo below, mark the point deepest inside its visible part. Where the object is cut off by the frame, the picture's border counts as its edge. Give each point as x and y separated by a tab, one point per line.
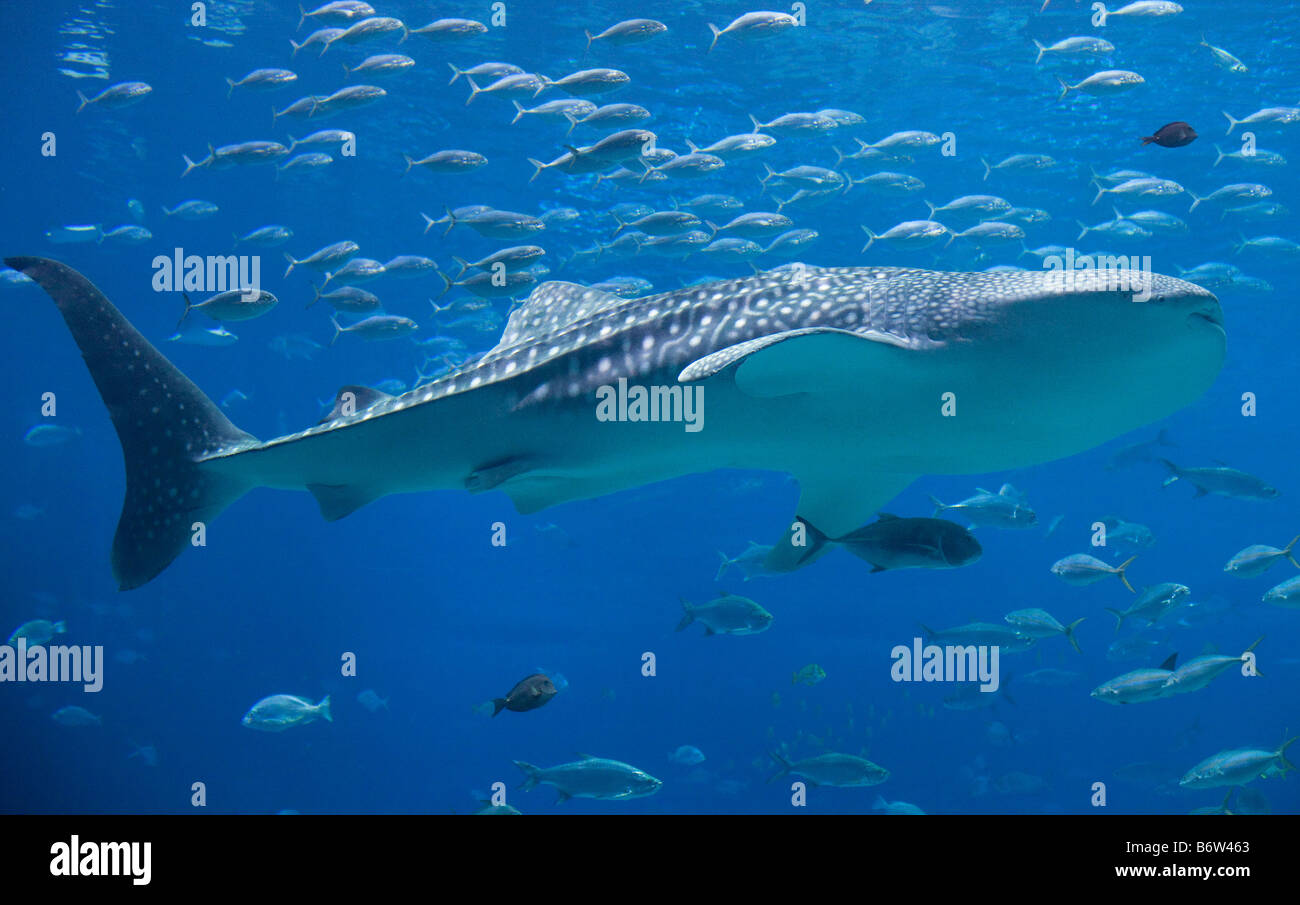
1212	314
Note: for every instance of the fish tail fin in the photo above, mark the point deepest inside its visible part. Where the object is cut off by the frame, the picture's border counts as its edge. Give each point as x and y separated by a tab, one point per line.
1196	201
1232	123
871	238
939	506
1042	49
689	616
532	775
713	228
60	627
932	207
316	294
84	101
573	122
1219	159
428	221
338	331
723	567
231	89
464	266
1173	472
1119	617
1083	230
1119	572
717	33
519	111
451	220
1289	548
586	50
1101	190
1069	633
988	170
296	47
757	125
879	803
324	708
1281	755
498	705
302	16
446	282
1065	89
410	162
473	90
292	263
189	165
780	762
455	73
189	306
1251	648
538	166
164	422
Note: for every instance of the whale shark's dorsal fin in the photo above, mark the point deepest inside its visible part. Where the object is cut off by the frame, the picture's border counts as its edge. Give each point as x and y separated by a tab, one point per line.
552	306
352	399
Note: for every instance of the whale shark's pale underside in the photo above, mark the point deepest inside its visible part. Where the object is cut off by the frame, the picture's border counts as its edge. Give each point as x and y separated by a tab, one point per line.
837	376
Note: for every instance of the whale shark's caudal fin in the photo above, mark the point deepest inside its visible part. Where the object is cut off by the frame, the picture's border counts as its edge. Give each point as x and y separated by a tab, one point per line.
164	423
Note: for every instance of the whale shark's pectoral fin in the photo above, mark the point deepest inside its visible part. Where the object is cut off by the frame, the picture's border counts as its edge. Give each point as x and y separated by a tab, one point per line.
339	500
836	495
797	361
831	506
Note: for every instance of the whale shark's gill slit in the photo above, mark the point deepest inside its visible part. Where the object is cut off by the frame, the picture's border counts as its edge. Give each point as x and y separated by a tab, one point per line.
163	421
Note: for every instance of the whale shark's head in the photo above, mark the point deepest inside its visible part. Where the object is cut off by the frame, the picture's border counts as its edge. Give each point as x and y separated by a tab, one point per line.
1044	364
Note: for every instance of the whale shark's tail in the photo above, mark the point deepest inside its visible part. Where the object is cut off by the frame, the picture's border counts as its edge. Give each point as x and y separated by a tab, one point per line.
164	423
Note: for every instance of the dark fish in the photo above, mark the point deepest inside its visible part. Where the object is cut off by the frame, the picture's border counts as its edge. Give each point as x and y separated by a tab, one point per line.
912	543
1174	135
528	694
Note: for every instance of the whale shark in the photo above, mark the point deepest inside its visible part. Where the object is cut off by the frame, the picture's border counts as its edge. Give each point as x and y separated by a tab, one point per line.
854	380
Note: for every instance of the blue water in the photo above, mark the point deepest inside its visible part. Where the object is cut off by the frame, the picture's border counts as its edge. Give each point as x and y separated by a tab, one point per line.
438	618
